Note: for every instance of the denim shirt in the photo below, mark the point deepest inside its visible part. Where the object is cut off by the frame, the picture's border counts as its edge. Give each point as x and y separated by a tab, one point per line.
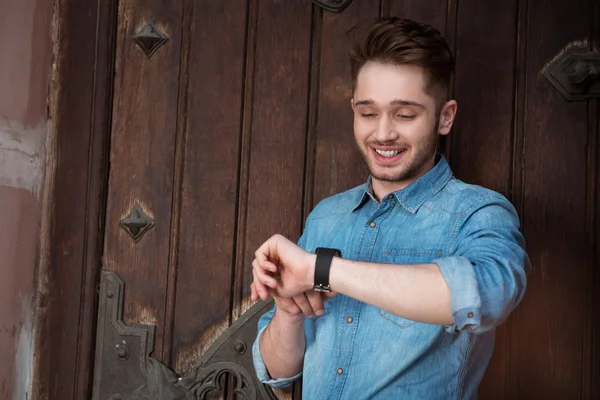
358	351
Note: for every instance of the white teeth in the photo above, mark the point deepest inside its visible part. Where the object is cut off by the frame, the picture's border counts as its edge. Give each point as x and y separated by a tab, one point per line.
389	153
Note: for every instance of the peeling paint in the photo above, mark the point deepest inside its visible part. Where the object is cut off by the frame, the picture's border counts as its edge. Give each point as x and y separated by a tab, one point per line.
24	354
22	156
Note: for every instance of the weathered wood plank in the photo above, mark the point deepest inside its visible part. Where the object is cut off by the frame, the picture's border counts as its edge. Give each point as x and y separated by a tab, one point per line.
68	275
338	165
142	159
481	146
545	360
276	169
209	190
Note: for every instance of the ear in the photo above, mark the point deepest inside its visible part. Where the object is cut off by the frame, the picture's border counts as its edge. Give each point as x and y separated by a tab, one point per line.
352	103
447	117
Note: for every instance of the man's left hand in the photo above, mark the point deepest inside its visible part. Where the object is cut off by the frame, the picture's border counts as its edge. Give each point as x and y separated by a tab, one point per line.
283	268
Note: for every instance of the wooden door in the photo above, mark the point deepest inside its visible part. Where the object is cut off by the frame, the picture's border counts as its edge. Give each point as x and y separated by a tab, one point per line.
231	120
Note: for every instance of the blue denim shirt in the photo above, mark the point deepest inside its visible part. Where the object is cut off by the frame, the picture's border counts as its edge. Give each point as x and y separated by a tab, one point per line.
357	351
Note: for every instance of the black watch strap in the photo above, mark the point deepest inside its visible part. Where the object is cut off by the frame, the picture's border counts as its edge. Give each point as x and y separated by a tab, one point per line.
322	268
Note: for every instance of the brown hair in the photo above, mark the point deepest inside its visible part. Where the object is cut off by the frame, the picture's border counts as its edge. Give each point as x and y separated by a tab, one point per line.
400	41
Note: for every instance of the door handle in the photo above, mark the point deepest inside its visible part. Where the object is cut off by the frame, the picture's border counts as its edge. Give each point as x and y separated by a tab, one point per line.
575	74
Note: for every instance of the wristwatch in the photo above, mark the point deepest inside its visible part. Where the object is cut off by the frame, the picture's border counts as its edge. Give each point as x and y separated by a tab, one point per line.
322	267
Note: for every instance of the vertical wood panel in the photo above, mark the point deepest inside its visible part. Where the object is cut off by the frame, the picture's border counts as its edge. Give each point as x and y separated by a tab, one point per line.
481	145
592	378
80	107
241	266
142	159
546	360
338	164
276	168
431	12
209	191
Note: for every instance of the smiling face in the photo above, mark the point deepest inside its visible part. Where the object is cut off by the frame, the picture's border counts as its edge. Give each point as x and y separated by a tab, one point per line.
396	124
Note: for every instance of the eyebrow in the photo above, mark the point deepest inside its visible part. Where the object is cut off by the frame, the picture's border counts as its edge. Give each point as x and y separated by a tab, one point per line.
396	102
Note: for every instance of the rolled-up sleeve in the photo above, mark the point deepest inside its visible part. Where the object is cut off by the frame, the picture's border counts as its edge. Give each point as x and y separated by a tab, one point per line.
487	267
259	364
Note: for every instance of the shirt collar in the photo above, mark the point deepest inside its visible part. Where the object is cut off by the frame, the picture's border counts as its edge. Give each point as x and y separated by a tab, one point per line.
418	192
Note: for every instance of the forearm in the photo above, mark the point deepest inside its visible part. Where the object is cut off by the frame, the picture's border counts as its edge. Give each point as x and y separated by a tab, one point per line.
282	345
415	292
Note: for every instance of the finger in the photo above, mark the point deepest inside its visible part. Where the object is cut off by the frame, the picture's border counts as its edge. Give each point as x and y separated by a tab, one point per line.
302	302
329	294
253	294
261	290
316	302
264	251
262	276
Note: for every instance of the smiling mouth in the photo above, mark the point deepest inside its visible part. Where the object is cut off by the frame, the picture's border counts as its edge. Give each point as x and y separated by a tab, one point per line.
389	153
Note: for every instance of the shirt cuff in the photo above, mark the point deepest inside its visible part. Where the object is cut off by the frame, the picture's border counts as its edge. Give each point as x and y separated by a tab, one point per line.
261	368
465	301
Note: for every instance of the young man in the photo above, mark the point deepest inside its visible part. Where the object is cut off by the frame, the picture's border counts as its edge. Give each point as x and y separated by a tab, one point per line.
424	266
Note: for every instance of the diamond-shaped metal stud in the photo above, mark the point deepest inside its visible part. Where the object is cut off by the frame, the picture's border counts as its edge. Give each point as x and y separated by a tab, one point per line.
335	6
575	73
149	38
137	223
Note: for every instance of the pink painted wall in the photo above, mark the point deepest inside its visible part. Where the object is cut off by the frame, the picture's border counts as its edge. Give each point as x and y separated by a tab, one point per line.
25	66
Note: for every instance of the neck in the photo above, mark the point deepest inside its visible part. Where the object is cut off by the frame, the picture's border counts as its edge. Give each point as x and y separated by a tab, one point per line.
382	188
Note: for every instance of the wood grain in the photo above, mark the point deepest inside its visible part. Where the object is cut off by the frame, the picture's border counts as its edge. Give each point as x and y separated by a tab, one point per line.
209	189
276	169
142	159
430	12
67	315
481	146
338	164
546	360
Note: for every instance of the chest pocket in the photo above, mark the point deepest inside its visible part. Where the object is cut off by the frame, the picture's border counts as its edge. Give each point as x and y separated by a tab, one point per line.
407	256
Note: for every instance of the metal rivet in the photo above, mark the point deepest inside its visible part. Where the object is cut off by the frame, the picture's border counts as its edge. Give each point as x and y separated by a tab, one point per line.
122	352
340	371
349	319
372	224
240	347
470	315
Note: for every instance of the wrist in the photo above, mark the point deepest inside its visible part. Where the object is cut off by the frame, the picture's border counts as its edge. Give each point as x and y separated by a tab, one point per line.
288	318
310	271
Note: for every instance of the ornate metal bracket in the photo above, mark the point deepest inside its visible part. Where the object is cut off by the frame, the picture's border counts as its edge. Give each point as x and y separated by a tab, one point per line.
335	6
124	370
137	223
149	38
575	74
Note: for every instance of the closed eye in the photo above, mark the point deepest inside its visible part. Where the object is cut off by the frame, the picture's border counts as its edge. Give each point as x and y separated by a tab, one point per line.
371	115
407	117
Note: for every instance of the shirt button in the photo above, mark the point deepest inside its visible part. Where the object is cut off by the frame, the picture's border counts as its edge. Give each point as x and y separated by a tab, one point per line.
372	224
391	196
349	319
340	371
470	315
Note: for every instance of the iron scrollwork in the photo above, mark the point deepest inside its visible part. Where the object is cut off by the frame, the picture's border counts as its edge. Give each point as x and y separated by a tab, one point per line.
335	6
124	369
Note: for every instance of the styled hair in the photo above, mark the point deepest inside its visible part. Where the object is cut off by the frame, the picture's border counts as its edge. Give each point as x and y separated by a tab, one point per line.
400	41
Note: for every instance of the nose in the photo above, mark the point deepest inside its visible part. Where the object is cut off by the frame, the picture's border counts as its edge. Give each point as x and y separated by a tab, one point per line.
386	131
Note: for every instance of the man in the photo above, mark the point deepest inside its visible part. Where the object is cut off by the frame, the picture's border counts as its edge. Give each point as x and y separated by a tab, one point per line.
424	266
